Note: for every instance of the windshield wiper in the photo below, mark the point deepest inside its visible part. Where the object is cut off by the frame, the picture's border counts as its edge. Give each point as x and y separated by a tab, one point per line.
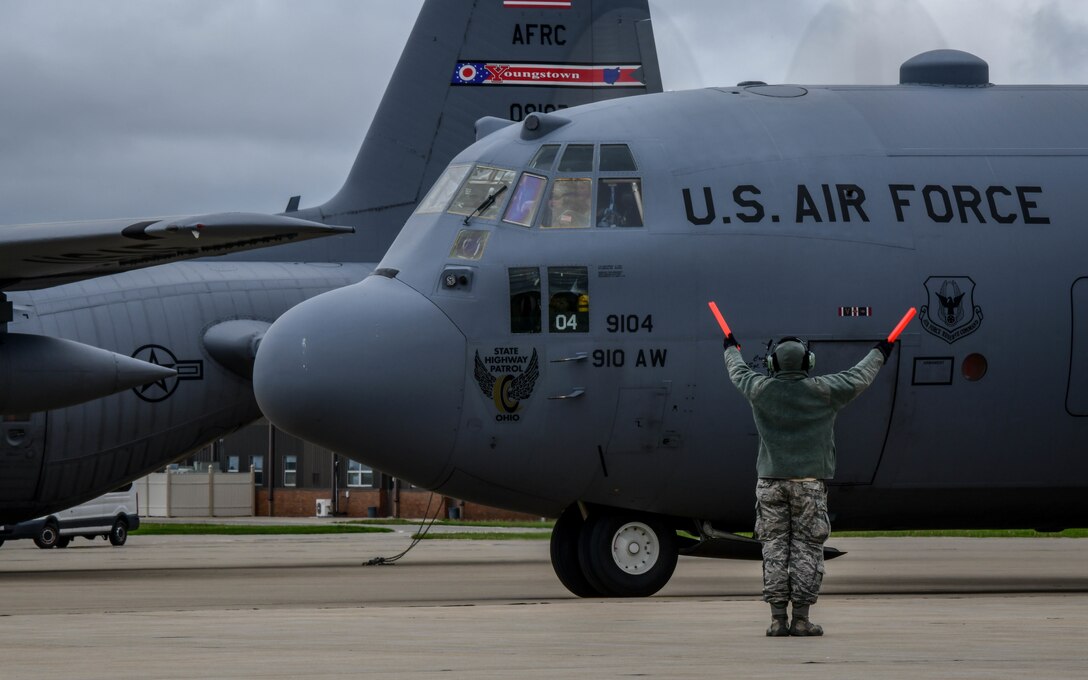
488	202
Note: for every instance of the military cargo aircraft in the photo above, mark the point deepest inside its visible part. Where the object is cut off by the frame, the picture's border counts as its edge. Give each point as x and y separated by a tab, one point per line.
538	337
183	336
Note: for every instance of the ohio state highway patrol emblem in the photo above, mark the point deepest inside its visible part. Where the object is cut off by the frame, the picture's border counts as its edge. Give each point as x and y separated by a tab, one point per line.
507	377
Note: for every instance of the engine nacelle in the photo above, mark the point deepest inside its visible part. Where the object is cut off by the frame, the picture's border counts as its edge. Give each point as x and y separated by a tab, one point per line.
40	373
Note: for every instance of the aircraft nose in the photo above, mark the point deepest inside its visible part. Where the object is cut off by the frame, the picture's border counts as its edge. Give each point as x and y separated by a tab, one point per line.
373	371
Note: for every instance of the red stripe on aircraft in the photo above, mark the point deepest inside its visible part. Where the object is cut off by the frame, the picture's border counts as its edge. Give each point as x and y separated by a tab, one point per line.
537	4
548	74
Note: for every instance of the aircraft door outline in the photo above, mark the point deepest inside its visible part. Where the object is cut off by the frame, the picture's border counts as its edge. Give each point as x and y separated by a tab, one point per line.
22	455
1076	392
638	423
861	428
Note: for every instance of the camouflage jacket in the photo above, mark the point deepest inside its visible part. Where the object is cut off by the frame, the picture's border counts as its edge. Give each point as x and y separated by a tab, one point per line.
795	414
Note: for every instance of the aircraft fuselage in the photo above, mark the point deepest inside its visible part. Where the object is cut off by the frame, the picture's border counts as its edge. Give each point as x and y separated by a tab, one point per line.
823	213
55	458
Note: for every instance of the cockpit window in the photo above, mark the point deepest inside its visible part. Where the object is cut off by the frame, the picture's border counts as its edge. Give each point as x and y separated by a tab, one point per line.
440	194
524	300
568	299
568	204
619	202
617	158
526	199
577	158
545	157
482	182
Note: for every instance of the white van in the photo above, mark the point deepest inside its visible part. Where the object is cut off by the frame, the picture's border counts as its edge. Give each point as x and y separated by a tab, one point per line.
110	516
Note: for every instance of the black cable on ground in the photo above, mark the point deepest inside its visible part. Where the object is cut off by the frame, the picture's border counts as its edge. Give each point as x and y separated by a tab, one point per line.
427	520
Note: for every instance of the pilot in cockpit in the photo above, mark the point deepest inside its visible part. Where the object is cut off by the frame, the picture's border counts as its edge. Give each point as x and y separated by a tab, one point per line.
568	205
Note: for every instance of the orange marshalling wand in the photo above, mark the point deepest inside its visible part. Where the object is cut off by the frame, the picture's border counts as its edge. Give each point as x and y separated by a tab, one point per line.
720	318
901	325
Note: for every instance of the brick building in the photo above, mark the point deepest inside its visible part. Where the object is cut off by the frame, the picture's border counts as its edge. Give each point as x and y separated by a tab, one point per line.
292	475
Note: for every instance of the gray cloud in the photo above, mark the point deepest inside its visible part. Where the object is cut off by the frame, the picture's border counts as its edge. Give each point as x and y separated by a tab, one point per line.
1057	34
124	108
859	41
721	42
118	108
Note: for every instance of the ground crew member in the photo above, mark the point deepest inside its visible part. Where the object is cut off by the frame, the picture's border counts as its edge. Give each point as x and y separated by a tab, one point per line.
795	418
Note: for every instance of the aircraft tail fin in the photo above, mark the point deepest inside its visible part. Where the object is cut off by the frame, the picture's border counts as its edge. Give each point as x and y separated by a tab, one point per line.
467	60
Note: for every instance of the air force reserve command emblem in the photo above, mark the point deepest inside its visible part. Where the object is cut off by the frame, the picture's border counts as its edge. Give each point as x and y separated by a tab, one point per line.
507	376
951	313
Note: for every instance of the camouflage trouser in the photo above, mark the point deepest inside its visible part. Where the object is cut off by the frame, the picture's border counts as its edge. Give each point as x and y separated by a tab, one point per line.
792	523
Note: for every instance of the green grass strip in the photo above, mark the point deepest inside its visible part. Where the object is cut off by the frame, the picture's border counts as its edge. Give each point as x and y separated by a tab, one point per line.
361	527
489	535
510	524
196	529
943	533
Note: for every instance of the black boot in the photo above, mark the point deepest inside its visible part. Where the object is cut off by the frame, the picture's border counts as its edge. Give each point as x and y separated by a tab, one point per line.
801	626
780	625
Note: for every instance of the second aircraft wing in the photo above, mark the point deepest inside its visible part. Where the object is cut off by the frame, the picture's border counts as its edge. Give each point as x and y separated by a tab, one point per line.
40	255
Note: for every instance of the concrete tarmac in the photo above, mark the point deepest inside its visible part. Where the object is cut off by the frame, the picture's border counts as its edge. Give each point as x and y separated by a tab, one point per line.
303	606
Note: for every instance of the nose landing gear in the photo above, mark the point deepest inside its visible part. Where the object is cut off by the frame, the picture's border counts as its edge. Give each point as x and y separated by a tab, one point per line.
613	553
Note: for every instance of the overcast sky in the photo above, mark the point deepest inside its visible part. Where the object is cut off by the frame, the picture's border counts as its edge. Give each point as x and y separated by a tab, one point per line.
124	109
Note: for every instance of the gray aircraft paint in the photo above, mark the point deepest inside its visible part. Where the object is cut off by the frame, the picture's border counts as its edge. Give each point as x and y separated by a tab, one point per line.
54	459
821	212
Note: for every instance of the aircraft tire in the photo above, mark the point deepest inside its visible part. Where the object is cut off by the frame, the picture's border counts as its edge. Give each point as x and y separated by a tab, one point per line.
48	537
564	552
627	555
119	533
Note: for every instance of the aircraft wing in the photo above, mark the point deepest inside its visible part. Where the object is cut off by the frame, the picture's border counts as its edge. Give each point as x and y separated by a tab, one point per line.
41	255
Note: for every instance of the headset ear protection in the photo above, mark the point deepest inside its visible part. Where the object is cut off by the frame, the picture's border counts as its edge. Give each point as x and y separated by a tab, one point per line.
807	363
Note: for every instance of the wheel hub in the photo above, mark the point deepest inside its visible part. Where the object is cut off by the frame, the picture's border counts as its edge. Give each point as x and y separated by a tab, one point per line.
635	548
